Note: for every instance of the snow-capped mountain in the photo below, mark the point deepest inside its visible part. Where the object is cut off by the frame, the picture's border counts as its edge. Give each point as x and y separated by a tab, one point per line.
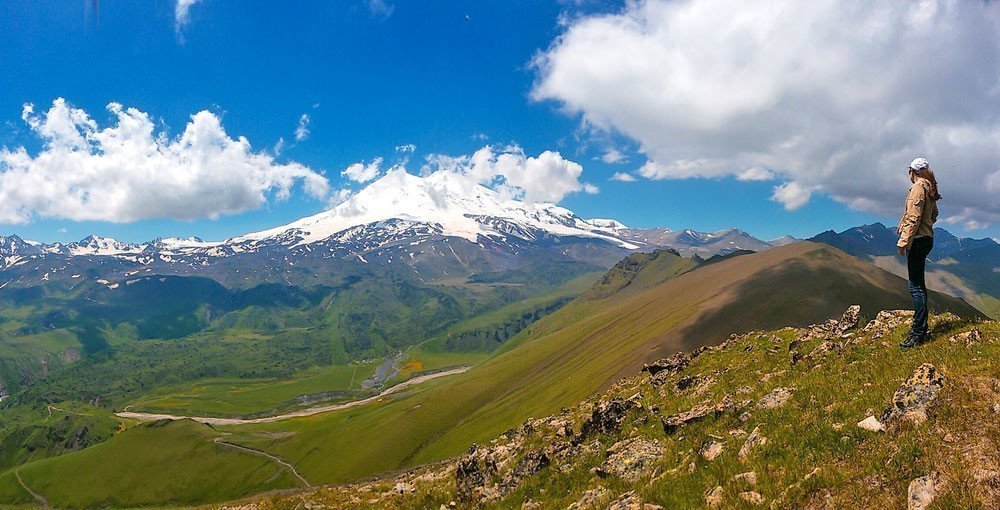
461	207
432	226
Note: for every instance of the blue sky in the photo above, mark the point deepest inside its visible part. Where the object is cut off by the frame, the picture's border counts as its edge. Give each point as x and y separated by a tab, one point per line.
446	76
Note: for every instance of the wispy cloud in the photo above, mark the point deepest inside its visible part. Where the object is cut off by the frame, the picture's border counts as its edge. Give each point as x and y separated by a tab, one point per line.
623	177
613	156
380	8
182	16
302	129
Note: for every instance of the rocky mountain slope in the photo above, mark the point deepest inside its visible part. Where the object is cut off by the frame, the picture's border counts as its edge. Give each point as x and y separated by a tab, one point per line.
828	416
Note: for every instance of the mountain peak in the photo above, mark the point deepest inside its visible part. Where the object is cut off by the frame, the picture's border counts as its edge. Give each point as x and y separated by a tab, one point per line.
457	203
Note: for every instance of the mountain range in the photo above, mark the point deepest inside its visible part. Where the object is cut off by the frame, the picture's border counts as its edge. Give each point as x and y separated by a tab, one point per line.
403	220
963	267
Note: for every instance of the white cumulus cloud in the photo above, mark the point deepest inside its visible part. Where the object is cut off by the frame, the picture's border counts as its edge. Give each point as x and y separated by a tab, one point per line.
361	172
547	177
792	195
127	171
828	96
623	177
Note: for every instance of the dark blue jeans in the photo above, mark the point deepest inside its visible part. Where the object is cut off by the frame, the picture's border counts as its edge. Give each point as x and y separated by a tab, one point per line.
916	260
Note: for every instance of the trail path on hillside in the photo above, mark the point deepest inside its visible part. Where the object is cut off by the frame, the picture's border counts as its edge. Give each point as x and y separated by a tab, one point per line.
38	497
252	451
293	414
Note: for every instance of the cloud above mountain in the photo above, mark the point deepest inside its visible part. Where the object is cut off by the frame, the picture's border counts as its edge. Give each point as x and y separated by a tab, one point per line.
826	97
129	171
548	177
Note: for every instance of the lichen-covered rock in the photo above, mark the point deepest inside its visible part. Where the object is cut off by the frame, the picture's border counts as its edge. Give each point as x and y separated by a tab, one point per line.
886	321
915	396
472	471
850	319
606	417
922	491
713	498
754	498
631	501
776	398
631	459
710	450
969	338
749	478
591	499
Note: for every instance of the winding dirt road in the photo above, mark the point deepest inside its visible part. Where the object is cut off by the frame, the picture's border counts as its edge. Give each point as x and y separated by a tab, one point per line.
293	414
38	497
252	451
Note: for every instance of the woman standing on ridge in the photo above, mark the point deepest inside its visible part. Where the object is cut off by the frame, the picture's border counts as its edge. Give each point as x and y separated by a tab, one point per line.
916	239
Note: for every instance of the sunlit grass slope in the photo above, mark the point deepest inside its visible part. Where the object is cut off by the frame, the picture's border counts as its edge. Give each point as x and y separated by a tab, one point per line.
582	348
161	463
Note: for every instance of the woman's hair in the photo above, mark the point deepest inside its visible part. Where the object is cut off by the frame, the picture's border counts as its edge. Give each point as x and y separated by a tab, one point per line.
928	174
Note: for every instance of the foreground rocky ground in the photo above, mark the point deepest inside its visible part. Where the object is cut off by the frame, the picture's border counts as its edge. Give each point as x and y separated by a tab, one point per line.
830	416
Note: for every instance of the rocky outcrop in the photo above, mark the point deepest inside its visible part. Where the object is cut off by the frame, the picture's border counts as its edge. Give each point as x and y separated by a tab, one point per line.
661	369
969	338
887	321
673	422
605	418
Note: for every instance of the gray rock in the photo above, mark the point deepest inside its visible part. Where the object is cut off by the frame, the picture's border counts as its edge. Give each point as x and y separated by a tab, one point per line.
776	398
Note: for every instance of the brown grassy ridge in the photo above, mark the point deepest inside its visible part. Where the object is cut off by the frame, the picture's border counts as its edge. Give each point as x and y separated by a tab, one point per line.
815	456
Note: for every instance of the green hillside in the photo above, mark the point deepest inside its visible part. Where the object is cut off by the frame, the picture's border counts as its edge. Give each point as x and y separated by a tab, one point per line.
663	305
169	463
768	420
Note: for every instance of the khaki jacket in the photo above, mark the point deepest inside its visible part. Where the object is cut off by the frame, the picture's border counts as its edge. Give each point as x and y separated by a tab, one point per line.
919	214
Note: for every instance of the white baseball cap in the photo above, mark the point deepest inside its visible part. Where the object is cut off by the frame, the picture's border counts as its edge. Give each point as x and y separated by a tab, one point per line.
919	165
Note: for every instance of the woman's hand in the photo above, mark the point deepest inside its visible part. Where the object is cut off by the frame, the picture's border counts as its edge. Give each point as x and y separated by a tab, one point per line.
902	251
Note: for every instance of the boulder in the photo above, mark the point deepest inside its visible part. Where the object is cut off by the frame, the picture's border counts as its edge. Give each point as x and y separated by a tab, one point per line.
631	501
915	396
471	472
673	422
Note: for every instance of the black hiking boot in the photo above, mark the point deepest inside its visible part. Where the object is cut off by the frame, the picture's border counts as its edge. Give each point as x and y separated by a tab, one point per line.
909	342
